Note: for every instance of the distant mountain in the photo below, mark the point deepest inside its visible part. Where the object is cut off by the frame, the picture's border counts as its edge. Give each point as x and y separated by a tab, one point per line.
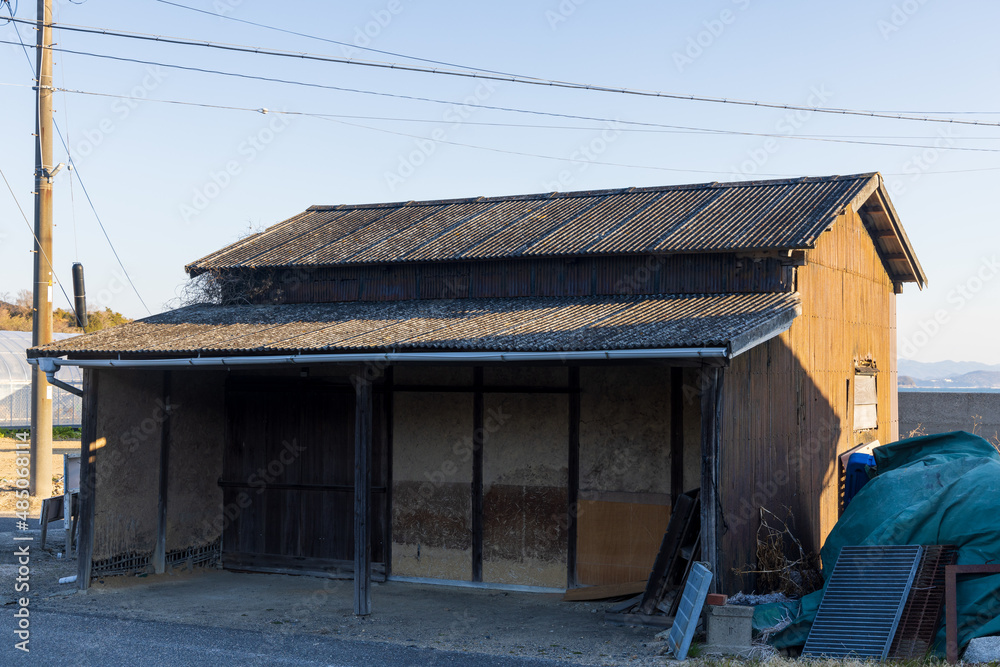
919	370
973	380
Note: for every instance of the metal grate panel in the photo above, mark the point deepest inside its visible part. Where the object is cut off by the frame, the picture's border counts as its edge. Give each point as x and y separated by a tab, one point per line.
692	600
922	613
862	602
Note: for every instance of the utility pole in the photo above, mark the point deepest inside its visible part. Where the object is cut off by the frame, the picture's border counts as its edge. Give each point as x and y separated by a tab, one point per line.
40	480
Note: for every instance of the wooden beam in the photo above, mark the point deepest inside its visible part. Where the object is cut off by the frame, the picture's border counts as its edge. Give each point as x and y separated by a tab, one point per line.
896	257
491	389
160	551
478	421
362	494
711	440
88	477
573	481
387	411
604	591
951	573
676	434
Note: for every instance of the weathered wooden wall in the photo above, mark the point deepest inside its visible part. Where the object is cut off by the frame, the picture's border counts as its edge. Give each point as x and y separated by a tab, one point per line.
707	273
788	403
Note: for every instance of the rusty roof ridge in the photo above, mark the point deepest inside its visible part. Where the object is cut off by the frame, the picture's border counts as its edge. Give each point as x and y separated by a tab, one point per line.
606	191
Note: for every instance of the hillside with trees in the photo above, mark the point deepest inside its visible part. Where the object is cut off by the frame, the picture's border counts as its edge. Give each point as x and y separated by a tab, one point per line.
15	315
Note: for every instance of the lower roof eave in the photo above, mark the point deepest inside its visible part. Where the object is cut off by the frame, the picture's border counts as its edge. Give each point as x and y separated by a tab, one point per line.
718	355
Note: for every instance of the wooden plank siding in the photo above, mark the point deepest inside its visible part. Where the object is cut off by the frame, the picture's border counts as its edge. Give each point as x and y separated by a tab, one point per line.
696	273
787	403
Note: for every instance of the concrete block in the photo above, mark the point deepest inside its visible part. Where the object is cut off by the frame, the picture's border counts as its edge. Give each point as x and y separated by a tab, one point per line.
728	629
982	649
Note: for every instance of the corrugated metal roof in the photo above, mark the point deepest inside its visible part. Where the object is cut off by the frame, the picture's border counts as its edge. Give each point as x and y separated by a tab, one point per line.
758	215
524	324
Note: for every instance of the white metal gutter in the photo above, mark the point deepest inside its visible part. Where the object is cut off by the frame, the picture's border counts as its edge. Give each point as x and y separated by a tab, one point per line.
50	365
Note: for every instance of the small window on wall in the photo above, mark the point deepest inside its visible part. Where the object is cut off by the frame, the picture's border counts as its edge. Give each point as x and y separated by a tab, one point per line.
865	400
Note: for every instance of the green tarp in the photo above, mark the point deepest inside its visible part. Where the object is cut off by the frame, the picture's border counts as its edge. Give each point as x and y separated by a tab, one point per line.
935	489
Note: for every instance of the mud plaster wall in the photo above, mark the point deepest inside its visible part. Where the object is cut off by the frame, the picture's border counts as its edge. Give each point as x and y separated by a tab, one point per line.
197	434
525	474
432	477
129	415
625	471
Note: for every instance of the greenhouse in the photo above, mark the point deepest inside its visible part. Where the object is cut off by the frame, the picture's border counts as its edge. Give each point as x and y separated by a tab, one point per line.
15	385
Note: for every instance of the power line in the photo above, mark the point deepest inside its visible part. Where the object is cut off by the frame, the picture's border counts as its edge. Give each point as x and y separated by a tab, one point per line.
31	229
442	62
552	83
76	171
682	128
719	132
93	208
323	116
330	41
655	127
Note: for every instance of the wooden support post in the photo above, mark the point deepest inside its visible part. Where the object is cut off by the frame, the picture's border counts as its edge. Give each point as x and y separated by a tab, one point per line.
711	440
362	494
478	421
88	478
160	551
676	434
951	573
388	398
573	482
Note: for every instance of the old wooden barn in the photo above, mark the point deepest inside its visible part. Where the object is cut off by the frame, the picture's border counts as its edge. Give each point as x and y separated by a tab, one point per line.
504	391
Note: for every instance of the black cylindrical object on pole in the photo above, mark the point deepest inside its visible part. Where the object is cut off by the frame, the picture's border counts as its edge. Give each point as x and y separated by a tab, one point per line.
79	296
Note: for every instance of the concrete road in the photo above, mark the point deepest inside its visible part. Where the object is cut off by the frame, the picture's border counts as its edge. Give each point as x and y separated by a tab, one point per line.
59	638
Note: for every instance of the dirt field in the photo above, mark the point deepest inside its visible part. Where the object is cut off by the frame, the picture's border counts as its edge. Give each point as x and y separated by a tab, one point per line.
8	474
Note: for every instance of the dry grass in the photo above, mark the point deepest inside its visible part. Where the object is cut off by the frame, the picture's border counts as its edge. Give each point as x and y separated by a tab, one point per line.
775	571
977	425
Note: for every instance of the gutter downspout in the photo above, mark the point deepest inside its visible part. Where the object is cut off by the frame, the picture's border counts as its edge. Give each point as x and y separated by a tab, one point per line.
50	367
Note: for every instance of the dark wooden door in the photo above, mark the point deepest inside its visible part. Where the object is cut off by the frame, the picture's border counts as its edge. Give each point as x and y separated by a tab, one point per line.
288	478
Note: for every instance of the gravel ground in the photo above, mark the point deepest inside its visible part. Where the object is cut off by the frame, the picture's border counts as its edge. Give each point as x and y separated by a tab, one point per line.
457	619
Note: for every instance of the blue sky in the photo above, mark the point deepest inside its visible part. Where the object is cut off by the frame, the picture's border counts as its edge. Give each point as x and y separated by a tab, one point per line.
175	182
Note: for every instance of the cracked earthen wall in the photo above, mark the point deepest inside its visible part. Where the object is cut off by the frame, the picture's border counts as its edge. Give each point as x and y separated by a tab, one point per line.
129	421
625	468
